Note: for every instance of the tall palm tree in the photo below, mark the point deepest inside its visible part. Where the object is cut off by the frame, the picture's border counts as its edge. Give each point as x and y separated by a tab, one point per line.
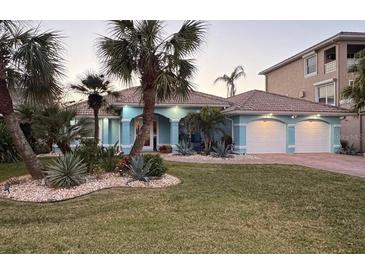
30	64
356	92
237	73
163	64
94	86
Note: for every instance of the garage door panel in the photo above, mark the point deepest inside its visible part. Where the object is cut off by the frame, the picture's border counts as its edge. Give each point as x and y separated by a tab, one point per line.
265	137
312	136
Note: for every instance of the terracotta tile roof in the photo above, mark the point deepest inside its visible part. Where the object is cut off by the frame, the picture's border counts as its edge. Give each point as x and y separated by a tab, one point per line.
261	101
82	108
250	101
132	96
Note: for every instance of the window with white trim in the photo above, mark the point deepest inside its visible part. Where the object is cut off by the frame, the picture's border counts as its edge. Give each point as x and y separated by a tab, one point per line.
326	94
310	65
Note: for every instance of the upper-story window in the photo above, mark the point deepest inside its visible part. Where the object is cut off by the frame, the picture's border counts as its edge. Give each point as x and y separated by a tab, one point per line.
310	65
326	94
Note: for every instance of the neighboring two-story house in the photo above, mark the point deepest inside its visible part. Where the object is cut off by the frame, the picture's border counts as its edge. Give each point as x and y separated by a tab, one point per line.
319	74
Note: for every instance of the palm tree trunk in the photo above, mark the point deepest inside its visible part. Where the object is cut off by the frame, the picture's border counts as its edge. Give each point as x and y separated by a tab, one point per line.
149	99
96	127
31	161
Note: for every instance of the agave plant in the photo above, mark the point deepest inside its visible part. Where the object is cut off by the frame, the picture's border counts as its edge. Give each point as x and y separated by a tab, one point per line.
221	150
139	168
66	171
184	148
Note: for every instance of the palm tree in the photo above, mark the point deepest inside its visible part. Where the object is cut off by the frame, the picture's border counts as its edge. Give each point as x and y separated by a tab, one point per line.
162	64
30	64
209	121
237	73
58	126
356	92
94	86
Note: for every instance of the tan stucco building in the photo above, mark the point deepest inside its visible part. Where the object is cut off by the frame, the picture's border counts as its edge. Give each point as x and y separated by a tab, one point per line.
319	74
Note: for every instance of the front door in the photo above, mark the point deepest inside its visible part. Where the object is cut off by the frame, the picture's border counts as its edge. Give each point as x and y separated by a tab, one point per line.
148	144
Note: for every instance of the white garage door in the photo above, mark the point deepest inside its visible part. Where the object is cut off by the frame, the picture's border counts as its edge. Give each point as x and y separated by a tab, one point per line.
265	137
312	136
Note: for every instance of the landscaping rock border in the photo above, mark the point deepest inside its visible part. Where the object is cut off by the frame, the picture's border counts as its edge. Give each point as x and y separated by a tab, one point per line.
25	189
208	159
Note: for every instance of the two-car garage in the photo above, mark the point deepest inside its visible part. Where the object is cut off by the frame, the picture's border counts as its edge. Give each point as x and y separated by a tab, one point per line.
269	136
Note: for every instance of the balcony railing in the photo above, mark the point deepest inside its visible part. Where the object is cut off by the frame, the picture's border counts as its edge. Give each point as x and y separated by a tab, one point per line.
330	67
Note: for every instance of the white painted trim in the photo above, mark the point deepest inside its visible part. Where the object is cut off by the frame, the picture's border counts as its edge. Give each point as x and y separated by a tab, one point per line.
240	147
309	54
240	125
126	146
125	120
174	120
324	82
291	125
290	113
336	145
173	105
337	125
291	146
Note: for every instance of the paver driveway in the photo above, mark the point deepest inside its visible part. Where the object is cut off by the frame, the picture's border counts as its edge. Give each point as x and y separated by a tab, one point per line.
352	165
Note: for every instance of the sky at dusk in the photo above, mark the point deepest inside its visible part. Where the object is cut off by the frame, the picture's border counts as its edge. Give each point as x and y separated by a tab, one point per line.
255	45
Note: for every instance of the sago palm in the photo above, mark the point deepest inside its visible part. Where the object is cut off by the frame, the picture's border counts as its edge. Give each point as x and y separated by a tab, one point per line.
356	92
30	65
94	86
237	73
162	63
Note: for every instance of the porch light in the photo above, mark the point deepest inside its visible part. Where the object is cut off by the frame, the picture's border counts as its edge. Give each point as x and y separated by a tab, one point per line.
293	116
270	114
318	115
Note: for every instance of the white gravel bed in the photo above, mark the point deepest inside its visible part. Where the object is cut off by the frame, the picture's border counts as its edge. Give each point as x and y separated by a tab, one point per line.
29	190
199	158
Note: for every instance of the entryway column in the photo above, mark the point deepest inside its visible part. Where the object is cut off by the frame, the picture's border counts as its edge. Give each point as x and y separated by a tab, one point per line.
290	138
126	136
105	132
239	132
174	133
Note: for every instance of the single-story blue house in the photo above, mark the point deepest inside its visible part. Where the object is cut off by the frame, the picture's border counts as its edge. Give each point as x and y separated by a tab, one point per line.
257	121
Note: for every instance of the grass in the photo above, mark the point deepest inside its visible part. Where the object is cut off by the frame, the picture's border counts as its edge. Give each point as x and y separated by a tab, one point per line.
216	209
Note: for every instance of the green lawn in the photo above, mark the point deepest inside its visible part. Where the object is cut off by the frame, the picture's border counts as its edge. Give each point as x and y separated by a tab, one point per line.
216	209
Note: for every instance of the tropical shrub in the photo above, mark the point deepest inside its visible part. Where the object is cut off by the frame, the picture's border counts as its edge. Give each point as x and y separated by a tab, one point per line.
347	149
221	150
123	165
139	168
89	152
109	157
184	148
8	153
209	121
158	167
66	171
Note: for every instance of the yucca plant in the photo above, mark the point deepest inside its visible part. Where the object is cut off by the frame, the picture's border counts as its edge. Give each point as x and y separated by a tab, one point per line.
184	148
66	171
221	150
139	168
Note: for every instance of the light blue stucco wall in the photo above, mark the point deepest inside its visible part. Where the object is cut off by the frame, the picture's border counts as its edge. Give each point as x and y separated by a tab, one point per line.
168	131
241	121
168	124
